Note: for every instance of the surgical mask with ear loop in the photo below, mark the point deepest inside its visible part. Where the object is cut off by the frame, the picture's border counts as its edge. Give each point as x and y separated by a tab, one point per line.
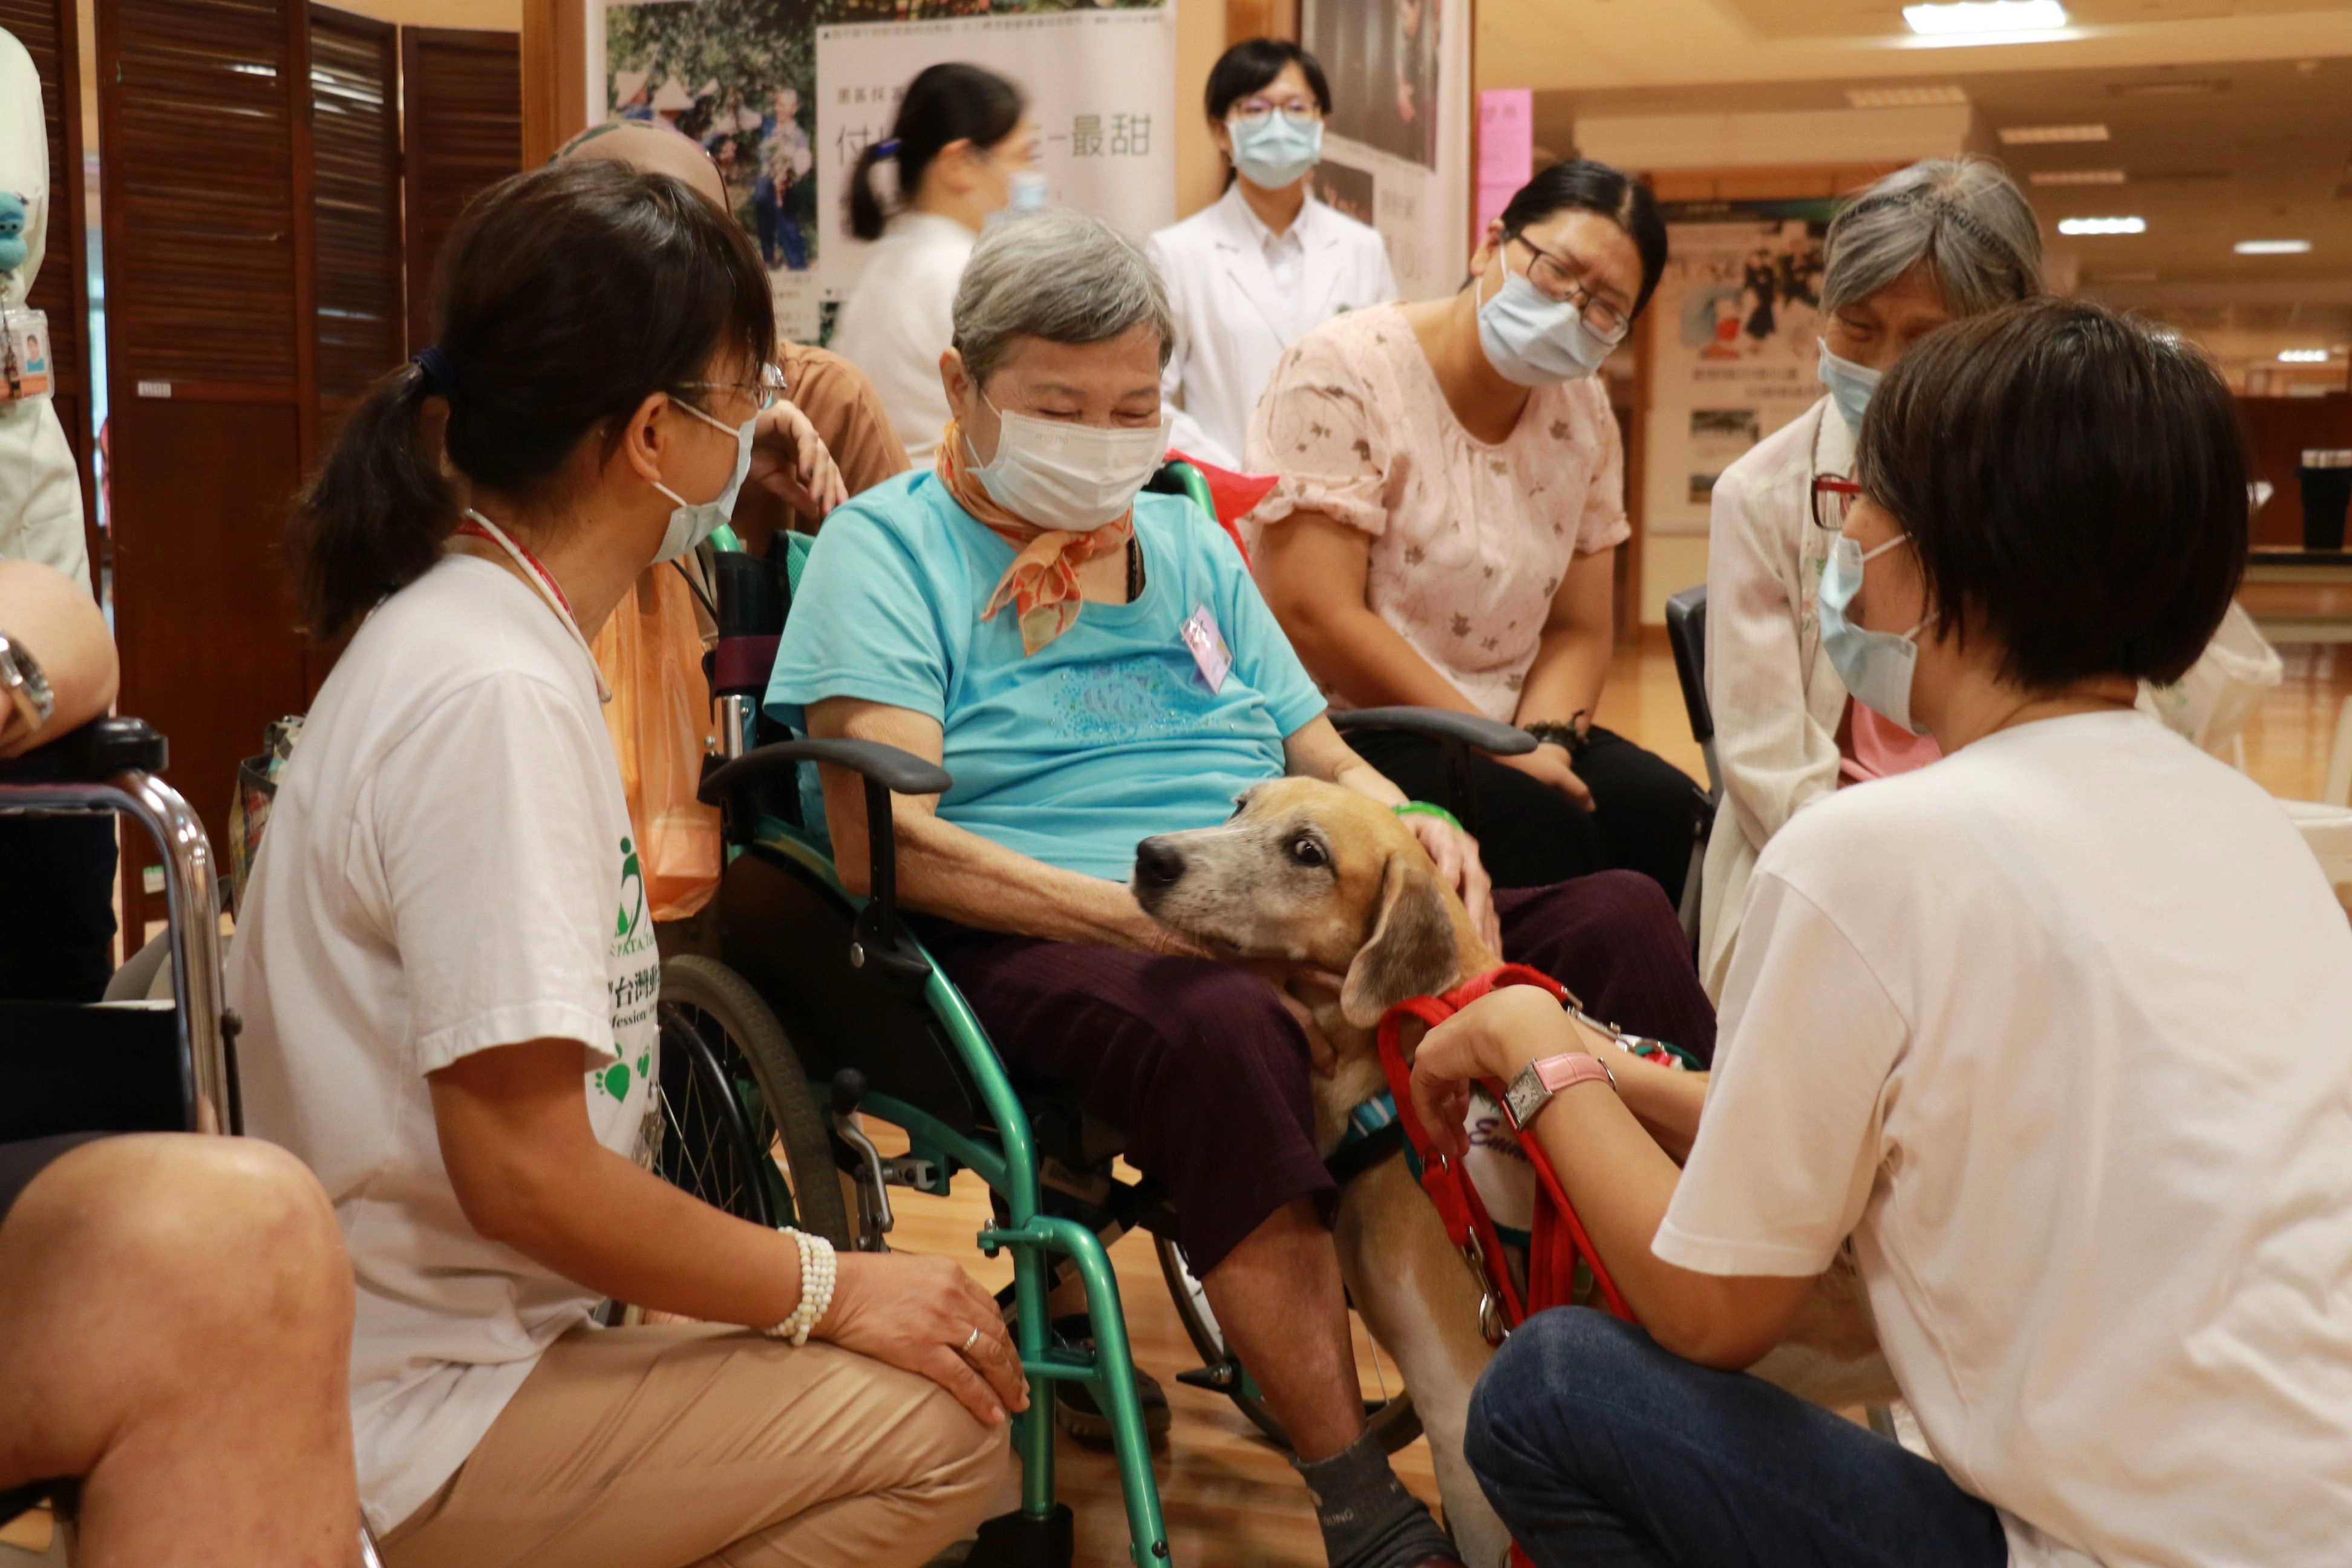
1071	477
1533	340
1273	150
1876	667
691	522
1850	385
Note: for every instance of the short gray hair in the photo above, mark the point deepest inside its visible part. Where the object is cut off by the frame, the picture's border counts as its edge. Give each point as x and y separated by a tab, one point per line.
1962	216
1060	276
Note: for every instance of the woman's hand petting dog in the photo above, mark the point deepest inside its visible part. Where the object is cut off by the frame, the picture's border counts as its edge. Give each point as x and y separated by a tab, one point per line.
1459	867
1493	1037
918	1314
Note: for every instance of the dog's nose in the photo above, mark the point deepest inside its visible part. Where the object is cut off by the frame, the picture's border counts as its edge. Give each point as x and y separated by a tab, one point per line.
1157	863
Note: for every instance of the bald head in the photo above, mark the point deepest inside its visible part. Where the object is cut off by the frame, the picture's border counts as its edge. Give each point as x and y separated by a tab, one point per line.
652	150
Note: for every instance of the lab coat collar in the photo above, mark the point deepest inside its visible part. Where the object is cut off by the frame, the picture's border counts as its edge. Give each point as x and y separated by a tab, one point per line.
1242	238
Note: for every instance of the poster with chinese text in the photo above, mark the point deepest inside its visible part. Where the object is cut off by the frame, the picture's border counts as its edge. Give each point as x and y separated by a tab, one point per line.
1733	351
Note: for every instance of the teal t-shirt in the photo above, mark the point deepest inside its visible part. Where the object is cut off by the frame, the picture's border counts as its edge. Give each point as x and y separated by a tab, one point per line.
1106	735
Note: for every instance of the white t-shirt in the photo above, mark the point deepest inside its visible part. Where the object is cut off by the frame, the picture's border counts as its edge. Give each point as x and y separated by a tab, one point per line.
2060	1028
440	874
901	317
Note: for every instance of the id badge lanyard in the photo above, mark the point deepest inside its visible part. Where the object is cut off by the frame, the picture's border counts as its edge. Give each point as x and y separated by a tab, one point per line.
477	526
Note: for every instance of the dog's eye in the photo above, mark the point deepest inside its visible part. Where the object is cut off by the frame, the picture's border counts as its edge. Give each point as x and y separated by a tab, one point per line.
1307	852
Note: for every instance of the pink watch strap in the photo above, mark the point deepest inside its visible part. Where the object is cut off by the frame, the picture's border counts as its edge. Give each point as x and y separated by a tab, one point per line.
1569	1069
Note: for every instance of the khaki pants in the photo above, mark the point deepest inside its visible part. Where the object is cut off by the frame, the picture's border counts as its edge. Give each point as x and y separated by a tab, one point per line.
658	1448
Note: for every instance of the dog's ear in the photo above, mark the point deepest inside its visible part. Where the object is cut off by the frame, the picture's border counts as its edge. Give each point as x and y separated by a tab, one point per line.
1412	950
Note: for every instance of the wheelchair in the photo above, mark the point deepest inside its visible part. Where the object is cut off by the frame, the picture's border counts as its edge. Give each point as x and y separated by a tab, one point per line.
1686	634
138	1065
822	1005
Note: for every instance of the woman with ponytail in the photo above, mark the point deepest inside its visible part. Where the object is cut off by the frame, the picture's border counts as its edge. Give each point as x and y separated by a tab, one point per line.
964	148
447	974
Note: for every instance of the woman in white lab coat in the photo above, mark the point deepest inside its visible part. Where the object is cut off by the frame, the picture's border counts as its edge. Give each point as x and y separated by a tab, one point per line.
1252	273
963	147
1923	246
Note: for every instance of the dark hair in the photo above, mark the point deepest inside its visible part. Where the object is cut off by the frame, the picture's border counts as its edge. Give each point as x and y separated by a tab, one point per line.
1255	63
565	297
944	103
1581	185
2072	483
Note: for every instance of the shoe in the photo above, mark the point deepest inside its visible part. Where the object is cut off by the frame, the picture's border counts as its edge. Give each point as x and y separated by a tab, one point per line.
1075	1410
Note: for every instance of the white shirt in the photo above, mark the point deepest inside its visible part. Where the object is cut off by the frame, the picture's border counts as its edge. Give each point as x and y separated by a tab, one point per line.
445	856
40	488
1241	295
2060	1028
901	318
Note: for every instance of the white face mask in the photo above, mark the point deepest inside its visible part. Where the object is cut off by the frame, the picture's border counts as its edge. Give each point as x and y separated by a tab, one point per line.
1071	477
691	522
1533	340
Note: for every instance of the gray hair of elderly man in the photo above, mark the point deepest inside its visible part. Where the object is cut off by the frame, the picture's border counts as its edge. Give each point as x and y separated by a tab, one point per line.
1060	276
1962	216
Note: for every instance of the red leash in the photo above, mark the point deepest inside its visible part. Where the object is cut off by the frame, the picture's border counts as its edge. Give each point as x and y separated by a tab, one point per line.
1559	1237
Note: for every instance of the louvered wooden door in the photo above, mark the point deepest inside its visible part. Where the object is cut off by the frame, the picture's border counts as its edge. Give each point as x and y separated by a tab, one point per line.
47	29
205	132
463	132
361	314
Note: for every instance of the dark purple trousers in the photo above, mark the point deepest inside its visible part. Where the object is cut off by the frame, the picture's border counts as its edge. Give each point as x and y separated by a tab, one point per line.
1207	1072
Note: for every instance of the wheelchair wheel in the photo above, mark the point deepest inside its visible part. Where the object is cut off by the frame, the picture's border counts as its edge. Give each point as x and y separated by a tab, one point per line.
1390	1416
740	1129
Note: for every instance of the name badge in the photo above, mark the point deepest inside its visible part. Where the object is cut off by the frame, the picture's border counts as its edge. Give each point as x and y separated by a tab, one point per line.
24	356
1208	645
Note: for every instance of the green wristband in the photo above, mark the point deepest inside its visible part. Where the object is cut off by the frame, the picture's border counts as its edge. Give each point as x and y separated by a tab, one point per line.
1424	808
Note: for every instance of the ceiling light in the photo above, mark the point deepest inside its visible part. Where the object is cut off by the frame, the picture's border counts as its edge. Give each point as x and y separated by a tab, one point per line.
2103	226
2272	247
2077	176
1904	97
2303	356
1986	17
2035	135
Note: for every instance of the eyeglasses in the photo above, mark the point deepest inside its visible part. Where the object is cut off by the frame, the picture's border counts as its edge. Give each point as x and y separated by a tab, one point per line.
1299	111
763	393
1834	498
1564	281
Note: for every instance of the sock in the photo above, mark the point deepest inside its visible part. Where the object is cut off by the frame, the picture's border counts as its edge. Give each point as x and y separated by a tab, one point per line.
1368	1520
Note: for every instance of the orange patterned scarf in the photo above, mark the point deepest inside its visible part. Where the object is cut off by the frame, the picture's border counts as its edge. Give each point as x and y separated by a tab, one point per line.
1043	581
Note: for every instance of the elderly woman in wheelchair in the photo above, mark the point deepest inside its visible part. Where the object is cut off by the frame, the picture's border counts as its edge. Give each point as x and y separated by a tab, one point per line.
1093	665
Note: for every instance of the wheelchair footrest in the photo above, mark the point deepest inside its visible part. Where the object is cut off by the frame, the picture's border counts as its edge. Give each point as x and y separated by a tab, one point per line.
1018	1541
1218	1377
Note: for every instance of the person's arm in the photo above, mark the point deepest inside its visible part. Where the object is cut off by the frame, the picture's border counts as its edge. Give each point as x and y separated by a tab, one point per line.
1313	570
1571	664
944	869
55	621
1774	758
530	1174
1617	1173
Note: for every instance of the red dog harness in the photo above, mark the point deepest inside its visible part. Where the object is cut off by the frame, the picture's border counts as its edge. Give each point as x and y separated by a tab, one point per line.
1560	1240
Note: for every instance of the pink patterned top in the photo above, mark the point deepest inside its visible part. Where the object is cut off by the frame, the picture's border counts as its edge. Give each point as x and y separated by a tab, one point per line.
1470	540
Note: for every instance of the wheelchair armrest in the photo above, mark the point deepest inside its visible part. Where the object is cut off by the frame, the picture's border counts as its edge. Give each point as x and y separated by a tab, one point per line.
1441	724
91	754
900	773
886	771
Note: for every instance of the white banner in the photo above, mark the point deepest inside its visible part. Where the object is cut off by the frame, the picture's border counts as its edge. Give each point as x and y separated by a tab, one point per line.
1733	350
1396	150
1101	84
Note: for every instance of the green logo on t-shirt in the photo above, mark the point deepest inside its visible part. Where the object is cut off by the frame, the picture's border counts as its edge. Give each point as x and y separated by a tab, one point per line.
633	891
636	989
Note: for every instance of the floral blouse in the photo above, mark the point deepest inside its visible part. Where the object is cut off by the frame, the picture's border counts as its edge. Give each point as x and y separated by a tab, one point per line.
1470	540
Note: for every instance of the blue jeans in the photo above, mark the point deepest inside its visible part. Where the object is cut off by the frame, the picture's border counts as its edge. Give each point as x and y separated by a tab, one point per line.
1598	1447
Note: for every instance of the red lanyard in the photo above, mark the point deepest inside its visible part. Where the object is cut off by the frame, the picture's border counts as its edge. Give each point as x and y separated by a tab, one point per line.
475	530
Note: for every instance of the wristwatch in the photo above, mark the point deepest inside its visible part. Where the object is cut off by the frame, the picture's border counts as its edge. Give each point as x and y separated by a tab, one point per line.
28	689
1539	1080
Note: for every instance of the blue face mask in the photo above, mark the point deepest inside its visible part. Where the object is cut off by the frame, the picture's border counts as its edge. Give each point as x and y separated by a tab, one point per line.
1533	340
1025	191
1850	385
1275	150
1876	667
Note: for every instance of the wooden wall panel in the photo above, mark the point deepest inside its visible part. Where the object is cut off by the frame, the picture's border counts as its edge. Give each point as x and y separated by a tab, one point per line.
2279	430
361	314
47	29
462	113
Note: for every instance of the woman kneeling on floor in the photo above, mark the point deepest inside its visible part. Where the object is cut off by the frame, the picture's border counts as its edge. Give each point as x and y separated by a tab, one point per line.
1094	666
447	1020
2058	1029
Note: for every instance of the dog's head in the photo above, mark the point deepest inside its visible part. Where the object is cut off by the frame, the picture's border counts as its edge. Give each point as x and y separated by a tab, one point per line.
1310	873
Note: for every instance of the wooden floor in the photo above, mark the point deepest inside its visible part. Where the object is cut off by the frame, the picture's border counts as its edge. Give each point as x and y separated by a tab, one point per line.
1230	1496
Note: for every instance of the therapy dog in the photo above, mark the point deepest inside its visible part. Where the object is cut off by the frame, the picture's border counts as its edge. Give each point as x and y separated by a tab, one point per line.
1319	877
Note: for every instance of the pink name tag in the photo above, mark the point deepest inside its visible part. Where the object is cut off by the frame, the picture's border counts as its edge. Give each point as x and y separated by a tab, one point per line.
1208	645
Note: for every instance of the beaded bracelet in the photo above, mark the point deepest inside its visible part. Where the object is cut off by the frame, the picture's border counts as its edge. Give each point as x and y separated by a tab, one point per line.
818	1271
1425	808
